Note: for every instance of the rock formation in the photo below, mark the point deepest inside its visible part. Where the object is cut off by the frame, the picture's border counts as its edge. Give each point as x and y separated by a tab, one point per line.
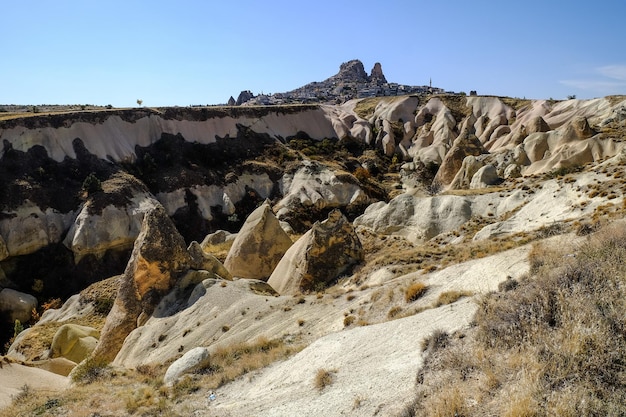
74	342
377	75
258	247
158	258
194	359
465	145
16	305
319	257
351	71
201	260
243	97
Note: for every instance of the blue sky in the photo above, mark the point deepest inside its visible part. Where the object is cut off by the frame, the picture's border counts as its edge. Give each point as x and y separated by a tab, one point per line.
201	52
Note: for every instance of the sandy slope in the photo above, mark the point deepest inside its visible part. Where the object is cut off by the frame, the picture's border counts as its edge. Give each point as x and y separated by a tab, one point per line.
14	376
375	366
374	370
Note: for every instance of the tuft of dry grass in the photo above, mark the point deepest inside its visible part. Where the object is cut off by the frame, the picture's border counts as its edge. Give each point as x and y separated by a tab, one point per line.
553	345
415	291
323	378
449	297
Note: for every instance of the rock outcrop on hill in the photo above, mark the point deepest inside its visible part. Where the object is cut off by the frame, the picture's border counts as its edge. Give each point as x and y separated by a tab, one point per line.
258	247
158	258
319	257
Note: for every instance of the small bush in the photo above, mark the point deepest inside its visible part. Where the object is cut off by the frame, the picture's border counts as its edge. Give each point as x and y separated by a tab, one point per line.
89	371
508	285
393	312
437	340
415	291
92	184
323	378
348	320
449	297
362	174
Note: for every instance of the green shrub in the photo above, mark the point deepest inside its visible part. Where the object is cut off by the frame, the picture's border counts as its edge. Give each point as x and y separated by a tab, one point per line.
92	184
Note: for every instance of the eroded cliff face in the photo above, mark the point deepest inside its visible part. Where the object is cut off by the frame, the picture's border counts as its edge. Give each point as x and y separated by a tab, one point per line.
76	186
209	168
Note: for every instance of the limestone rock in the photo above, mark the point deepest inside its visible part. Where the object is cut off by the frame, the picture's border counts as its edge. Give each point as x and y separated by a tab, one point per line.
4	251
377	75
29	228
351	71
536	125
258	247
203	260
484	177
513	171
194	359
113	227
463	177
15	305
417	219
158	258
74	342
315	185
216	238
319	257
466	144
578	128
59	366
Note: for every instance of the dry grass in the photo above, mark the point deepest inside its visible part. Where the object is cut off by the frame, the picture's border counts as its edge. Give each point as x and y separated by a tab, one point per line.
449	297
553	345
415	291
403	256
103	390
365	107
233	361
323	378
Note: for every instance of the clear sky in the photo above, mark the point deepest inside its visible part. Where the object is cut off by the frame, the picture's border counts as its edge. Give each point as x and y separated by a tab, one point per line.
203	51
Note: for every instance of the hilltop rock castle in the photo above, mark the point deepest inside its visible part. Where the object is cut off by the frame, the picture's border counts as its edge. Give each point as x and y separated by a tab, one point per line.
349	83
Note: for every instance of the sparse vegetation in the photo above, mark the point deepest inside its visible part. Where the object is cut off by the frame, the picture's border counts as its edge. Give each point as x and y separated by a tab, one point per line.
559	332
415	291
323	378
449	297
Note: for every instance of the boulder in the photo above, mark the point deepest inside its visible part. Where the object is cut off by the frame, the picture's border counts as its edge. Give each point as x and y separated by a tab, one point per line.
190	361
537	125
319	257
485	177
74	342
159	257
205	261
578	128
258	247
216	238
15	305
